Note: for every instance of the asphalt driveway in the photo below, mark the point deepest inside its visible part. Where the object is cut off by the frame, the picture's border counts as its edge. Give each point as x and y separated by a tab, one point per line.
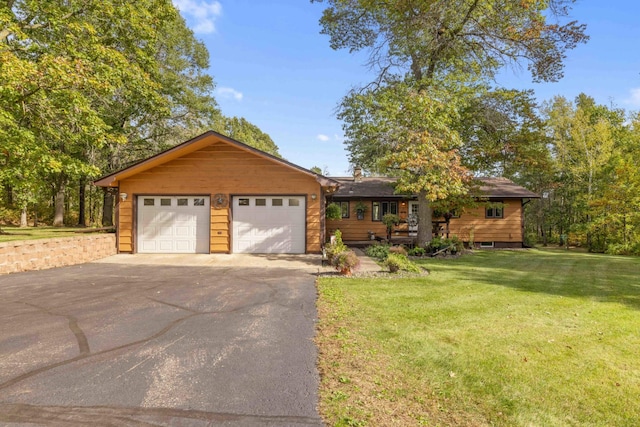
135	340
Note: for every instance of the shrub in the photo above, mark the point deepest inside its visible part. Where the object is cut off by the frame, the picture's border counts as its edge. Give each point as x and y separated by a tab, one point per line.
345	261
379	251
398	250
417	251
336	247
435	245
397	262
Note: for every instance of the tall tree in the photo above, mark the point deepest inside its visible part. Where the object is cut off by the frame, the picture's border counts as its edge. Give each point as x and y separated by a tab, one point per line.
431	43
246	132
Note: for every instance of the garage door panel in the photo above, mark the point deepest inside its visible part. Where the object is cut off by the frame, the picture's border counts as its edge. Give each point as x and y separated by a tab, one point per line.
173	224
269	224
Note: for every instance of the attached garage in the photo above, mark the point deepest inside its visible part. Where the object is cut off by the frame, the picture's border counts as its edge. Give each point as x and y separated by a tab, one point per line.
173	224
213	194
269	224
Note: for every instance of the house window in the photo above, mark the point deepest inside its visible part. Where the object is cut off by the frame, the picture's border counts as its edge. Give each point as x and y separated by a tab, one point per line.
276	202
380	209
486	244
198	202
183	202
344	209
493	212
261	202
294	202
165	202
149	202
243	202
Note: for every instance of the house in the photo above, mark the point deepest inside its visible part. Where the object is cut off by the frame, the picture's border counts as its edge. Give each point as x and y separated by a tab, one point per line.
365	200
213	194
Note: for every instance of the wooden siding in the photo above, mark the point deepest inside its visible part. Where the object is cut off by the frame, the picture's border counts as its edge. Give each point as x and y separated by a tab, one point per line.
354	229
220	168
471	223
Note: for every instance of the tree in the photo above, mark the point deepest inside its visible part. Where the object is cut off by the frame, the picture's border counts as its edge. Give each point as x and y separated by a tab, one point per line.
91	86
433	43
242	130
61	65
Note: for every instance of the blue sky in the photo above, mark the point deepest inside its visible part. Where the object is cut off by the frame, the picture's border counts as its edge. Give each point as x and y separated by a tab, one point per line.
272	66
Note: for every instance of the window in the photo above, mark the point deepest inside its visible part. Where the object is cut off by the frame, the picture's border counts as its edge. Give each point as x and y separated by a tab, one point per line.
493	212
261	202
486	244
198	202
149	202
243	202
380	209
183	202
294	202
165	202
344	209
276	202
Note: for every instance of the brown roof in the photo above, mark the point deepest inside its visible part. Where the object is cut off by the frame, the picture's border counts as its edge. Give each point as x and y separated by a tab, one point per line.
503	187
383	188
367	187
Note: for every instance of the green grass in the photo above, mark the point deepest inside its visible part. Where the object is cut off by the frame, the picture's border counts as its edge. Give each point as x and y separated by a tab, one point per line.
508	338
11	233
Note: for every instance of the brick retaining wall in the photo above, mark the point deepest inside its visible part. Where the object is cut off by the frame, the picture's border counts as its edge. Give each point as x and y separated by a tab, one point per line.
23	255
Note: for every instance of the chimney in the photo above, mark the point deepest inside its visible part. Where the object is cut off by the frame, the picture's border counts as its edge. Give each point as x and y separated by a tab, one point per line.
357	174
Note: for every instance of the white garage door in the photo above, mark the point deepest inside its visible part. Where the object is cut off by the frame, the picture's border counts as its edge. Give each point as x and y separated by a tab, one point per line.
173	224
269	224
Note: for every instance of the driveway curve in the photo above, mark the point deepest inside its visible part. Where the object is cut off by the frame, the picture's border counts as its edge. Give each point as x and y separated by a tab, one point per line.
161	340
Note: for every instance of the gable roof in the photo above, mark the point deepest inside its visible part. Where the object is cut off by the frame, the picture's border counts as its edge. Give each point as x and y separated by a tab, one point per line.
197	143
367	187
383	188
503	187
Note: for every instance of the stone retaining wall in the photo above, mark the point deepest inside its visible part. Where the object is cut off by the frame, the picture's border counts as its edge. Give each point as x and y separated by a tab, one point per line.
24	255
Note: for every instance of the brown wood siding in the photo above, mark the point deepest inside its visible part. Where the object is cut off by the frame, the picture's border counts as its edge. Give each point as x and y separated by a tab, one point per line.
220	168
353	229
506	229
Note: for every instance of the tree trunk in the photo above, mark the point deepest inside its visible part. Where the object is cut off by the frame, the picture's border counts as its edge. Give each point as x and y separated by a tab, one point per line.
107	208
81	203
58	218
425	220
23	216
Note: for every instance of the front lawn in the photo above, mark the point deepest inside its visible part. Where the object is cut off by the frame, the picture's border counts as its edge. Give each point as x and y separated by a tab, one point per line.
528	338
11	233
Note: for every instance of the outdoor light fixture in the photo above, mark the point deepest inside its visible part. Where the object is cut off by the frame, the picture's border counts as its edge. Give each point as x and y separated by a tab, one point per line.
123	196
314	196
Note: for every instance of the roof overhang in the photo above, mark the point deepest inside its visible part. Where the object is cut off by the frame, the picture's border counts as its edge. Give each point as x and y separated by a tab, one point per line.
195	144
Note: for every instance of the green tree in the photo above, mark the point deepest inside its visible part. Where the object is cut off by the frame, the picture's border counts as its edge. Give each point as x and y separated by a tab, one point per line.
244	131
431	44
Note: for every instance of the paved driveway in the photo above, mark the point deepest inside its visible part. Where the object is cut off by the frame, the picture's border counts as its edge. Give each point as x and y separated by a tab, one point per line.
161	340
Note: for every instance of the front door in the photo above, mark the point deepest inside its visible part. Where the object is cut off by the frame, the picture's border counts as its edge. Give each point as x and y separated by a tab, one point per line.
412	219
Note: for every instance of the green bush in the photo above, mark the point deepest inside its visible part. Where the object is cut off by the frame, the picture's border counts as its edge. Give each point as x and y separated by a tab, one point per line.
336	247
417	251
345	261
378	250
397	262
398	250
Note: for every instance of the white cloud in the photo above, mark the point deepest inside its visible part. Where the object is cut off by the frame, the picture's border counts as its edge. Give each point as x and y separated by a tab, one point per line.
228	92
634	98
202	13
323	137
